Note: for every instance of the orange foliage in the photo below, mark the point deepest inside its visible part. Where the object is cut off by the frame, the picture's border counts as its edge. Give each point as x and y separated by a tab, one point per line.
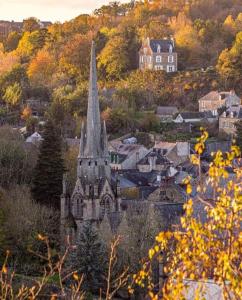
41	68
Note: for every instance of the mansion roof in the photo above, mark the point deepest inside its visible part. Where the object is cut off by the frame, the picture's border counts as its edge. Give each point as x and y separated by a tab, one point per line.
164	45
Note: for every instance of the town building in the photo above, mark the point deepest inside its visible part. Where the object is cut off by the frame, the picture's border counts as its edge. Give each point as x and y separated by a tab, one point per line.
166	113
215	100
125	156
229	118
158	55
195	117
9	26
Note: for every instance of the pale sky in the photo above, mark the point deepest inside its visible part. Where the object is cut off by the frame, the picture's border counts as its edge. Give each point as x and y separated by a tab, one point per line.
47	10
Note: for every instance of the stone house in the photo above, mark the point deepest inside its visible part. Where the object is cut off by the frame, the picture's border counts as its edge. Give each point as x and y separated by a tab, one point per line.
166	113
215	100
229	118
158	55
126	156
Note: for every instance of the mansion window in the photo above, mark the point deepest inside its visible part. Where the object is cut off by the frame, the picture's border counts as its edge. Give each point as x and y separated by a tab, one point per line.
149	59
170	58
141	58
159	67
170	68
158	59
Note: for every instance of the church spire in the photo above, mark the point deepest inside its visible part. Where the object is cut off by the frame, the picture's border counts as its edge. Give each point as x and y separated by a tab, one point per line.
93	113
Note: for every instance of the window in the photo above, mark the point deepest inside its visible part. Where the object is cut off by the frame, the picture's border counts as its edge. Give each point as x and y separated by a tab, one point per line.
158	59
159	67
170	68
170	58
80	162
170	48
89	163
141	58
95	163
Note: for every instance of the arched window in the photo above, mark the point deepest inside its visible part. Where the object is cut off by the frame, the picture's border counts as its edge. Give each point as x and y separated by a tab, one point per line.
105	205
77	206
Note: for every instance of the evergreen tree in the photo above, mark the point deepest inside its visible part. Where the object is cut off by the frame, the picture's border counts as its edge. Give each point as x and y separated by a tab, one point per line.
239	134
90	259
48	174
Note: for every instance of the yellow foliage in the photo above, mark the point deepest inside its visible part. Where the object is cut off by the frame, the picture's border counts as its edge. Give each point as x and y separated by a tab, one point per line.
203	251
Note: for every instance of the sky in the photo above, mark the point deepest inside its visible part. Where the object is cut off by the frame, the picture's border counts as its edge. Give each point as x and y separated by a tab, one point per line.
47	10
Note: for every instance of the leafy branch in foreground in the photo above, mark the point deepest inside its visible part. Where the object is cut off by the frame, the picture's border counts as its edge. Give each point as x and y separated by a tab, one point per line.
202	250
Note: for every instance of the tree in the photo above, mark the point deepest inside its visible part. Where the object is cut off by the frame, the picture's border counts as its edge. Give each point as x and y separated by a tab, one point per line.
90	258
239	134
26	113
13	94
230	61
8	61
12	41
114	58
48	174
16	160
207	247
31	24
41	68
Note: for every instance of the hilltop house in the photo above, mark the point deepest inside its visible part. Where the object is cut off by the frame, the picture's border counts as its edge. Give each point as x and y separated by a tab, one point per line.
158	55
215	100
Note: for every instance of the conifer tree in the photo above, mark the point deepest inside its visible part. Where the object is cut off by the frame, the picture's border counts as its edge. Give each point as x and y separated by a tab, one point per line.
90	259
48	174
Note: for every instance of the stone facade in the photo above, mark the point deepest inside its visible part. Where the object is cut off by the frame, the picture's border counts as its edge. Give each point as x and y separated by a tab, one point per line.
215	100
158	55
94	195
228	120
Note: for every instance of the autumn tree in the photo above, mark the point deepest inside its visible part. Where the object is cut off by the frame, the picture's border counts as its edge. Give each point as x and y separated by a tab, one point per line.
13	94
8	61
114	58
41	68
31	24
204	248
12	41
26	113
229	62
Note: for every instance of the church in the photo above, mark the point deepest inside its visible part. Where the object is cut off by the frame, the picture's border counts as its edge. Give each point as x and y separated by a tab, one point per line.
95	193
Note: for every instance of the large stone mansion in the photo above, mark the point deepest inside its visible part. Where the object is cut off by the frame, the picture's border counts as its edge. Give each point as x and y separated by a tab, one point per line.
158	55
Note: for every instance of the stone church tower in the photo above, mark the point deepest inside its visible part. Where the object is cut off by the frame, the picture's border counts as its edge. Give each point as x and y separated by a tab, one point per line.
94	194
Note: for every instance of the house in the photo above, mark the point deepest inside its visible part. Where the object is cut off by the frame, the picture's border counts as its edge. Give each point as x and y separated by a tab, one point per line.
176	153
195	117
158	55
229	118
154	160
166	113
126	156
215	100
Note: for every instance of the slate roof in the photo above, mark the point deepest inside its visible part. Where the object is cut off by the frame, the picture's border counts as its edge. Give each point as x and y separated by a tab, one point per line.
166	110
160	159
164	45
196	115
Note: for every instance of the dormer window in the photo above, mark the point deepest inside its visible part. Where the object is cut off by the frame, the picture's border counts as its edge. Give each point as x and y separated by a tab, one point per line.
158	48
170	48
